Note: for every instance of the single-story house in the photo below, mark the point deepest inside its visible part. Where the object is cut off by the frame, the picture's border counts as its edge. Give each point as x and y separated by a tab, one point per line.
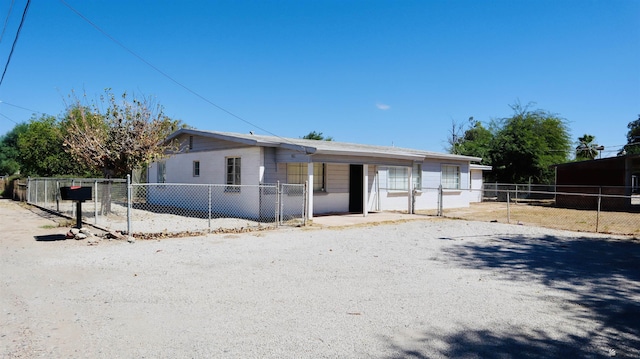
344	177
612	176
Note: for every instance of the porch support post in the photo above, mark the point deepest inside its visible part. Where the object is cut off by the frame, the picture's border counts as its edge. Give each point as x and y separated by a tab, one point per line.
365	190
310	190
410	190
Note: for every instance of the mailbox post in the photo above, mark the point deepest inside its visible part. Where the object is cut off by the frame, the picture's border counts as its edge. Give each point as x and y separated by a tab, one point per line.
77	194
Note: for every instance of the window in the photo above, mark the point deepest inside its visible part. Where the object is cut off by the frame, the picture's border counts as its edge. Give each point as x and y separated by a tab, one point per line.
196	168
417	176
161	176
450	177
190	142
397	179
297	174
233	174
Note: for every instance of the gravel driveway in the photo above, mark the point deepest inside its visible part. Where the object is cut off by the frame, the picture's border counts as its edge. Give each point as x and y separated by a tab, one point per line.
422	289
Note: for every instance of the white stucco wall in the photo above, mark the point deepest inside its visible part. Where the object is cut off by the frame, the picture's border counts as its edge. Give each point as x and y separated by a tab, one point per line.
427	197
476	186
179	170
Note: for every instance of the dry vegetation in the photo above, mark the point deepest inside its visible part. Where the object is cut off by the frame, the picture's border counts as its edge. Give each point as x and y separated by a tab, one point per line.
546	216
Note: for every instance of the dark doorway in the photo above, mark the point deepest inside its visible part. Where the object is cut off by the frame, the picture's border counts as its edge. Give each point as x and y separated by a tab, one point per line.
355	188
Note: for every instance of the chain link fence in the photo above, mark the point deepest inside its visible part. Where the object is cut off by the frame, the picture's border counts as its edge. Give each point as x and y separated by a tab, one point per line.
108	202
146	209
614	210
175	208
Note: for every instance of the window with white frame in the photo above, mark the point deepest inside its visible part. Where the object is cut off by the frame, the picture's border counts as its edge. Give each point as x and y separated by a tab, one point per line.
297	174
233	174
161	176
450	177
417	176
196	168
397	179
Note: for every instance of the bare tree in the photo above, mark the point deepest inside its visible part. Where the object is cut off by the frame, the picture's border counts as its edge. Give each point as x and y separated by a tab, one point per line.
127	135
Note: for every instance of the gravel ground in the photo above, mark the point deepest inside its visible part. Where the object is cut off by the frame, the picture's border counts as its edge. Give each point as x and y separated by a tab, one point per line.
423	289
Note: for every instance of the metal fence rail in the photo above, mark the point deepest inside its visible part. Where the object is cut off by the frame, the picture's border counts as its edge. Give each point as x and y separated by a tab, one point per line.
155	208
108	203
174	207
596	209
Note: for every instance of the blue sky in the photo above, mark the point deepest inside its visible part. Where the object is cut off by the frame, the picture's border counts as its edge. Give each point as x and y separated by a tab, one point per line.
376	72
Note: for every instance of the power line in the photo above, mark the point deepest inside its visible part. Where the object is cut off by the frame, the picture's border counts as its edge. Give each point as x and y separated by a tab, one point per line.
3	115
6	21
13	46
20	107
171	78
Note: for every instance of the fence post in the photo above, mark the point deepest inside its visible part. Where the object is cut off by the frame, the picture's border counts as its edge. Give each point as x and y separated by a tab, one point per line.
516	199
45	193
304	203
598	211
129	205
439	214
209	225
277	214
95	201
57	196
508	207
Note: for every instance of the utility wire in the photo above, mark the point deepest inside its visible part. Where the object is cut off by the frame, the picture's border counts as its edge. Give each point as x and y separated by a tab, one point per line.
6	21
24	15
20	107
172	79
5	116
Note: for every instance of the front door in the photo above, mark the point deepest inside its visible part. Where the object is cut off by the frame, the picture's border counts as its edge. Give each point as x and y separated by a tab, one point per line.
355	188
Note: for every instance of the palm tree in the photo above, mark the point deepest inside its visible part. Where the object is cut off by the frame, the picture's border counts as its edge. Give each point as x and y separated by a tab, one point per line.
586	149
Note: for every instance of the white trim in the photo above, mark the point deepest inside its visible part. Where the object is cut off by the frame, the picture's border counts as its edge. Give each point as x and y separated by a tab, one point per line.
365	190
310	190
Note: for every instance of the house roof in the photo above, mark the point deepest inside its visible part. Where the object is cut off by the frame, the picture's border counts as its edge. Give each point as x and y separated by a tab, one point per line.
595	163
314	147
474	166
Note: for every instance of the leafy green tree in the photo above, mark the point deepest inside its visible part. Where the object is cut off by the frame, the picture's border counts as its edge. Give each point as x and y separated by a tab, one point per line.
127	135
313	135
41	150
527	144
475	142
633	138
586	149
9	152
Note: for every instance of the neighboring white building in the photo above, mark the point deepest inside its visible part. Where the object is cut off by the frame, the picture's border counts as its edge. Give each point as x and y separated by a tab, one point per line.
346	177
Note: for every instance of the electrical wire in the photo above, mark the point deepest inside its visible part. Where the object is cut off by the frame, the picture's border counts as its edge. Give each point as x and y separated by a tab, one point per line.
20	107
6	21
13	46
5	116
174	80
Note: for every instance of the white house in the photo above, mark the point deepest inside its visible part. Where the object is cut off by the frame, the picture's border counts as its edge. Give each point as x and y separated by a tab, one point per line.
345	177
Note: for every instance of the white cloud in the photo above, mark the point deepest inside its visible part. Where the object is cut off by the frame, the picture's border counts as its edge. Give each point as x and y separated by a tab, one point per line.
382	106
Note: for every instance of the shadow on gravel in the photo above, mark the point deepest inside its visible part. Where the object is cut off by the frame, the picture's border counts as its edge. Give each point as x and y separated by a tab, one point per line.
486	344
601	277
50	238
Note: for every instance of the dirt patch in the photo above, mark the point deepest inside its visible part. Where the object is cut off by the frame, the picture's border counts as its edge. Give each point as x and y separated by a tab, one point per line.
536	214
